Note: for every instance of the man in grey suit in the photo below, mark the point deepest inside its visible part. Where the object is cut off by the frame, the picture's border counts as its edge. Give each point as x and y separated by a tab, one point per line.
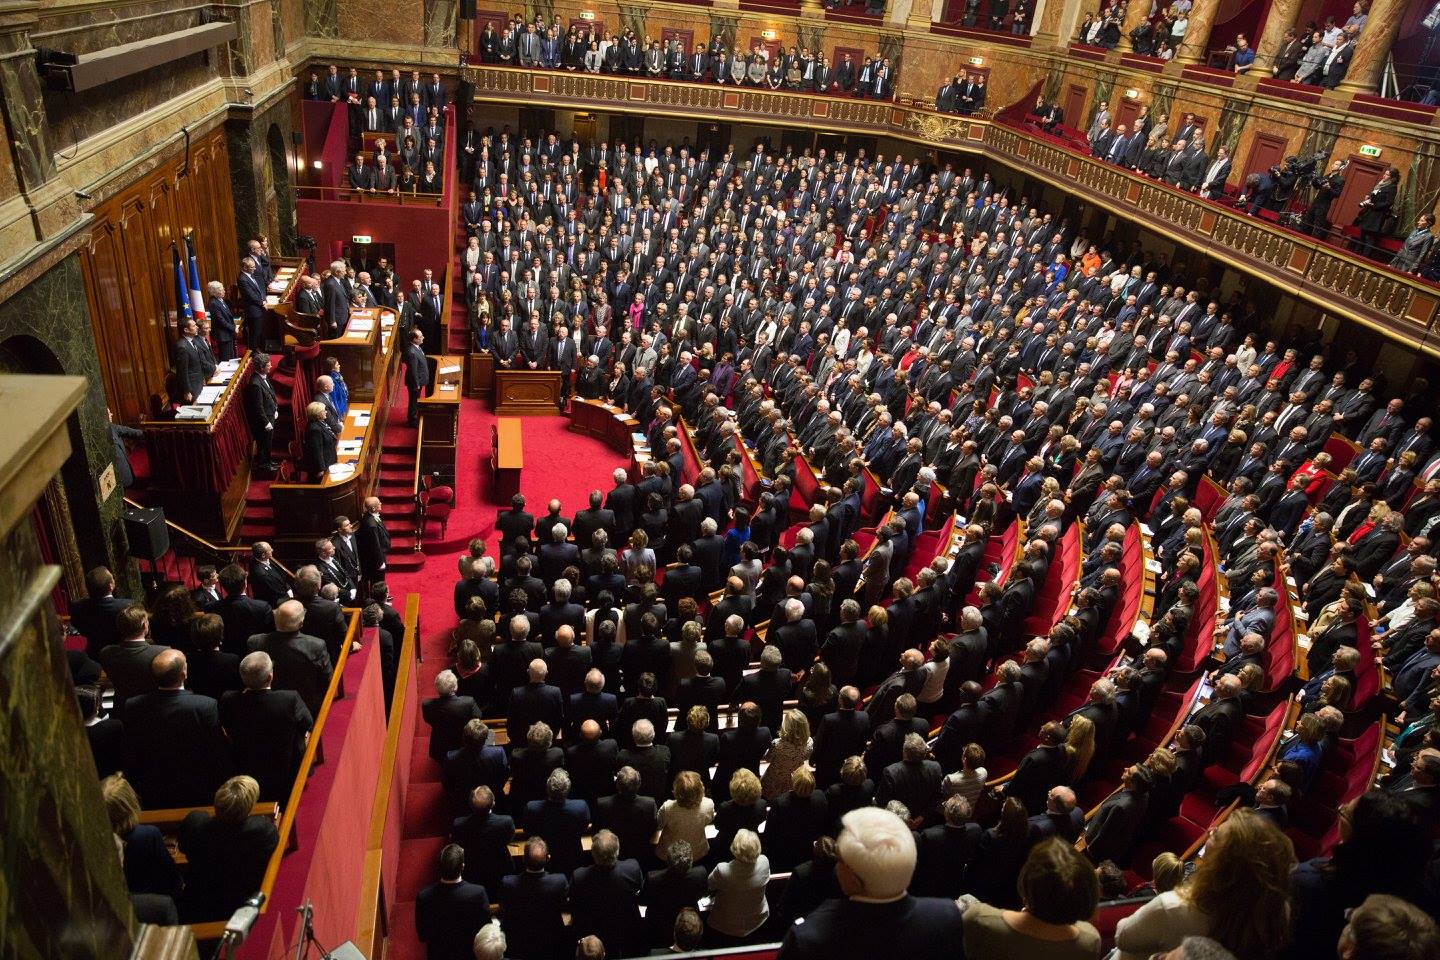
127	663
300	661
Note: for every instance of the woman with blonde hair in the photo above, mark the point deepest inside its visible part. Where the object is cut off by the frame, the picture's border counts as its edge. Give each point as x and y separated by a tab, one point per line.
686	816
738	906
787	754
745	810
639	556
1237	896
149	868
1079	747
228	851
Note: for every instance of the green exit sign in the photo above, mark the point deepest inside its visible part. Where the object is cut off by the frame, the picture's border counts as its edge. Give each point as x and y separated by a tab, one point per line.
360	238
1369	150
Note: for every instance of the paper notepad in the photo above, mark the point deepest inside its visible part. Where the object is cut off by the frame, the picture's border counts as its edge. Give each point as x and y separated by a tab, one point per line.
453	368
361	417
209	395
348	447
193	412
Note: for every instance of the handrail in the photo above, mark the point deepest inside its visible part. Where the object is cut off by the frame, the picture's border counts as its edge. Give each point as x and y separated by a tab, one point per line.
307	761
187	534
370	884
415	503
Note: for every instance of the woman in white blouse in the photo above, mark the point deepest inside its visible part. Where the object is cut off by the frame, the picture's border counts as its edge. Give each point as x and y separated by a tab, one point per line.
687	816
737	890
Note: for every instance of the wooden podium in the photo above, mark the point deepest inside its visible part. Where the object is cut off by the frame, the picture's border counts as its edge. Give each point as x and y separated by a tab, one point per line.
508	458
527	392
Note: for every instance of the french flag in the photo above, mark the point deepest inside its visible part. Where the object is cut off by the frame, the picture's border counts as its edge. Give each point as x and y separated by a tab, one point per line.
197	293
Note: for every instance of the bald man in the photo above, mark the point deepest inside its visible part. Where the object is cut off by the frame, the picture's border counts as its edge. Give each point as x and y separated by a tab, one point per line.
301	662
176	753
373	542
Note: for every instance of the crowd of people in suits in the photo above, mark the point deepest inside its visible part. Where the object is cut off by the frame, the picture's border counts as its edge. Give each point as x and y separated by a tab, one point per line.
976	356
207	696
407	114
590	49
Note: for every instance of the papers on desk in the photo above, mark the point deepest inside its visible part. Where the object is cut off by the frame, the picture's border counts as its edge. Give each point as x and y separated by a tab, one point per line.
340	471
640	439
348	448
445	388
276	286
452	368
360	325
271	300
227	366
209	394
193	412
361	417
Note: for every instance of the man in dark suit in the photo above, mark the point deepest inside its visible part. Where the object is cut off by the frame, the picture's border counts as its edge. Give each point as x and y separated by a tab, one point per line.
563	358
1112	832
649	759
605	898
267	728
417	375
537	701
560	821
1061	817
628	813
914	780
129	661
261	411
299	661
767	687
268	582
177	753
486	837
192	363
878	916
591	703
336	294
943	852
592	762
447	713
531	905
1220	718
451	911
372	542
94	616
477	762
841	734
1040	769
515	523
323	618
594	518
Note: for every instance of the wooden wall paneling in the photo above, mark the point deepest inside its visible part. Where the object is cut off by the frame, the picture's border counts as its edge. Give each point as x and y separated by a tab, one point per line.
129	273
1074	105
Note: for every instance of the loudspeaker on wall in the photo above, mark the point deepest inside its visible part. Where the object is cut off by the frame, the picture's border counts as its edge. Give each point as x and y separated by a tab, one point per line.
145	529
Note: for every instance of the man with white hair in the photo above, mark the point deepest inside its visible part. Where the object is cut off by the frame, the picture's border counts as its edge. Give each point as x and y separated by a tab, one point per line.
267	728
878	916
537	701
299	661
490	942
447	713
336	293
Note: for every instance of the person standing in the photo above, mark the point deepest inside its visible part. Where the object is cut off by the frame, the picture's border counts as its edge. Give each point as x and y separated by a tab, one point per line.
417	375
374	542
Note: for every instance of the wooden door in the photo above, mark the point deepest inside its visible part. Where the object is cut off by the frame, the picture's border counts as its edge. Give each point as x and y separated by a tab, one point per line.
772	47
1267	150
1125	112
1360	178
1074	105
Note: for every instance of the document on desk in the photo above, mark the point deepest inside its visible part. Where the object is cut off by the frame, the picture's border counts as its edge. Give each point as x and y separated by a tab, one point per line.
358	325
361	417
348	447
209	394
452	368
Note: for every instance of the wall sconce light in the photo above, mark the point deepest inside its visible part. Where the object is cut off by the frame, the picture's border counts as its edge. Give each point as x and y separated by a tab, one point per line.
768	34
1132	94
317	164
977	61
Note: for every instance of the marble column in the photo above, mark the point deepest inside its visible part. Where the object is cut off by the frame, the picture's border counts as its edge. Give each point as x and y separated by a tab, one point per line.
1197	34
1135	14
1280	18
1373	46
21	99
1056	21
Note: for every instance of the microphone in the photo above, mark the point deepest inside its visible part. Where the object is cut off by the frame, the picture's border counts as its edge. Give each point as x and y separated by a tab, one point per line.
237	928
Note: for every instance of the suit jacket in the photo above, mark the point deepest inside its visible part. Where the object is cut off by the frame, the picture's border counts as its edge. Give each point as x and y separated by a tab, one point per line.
447	717
486	839
127	665
917	928
605	902
95	620
373	545
561	823
301	664
530	910
1111	833
267	731
227	862
177	753
447	917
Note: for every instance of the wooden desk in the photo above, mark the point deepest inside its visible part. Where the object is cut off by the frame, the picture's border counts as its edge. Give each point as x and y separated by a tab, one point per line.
440	415
527	392
200	469
304	511
614	426
279	298
507	457
480	377
359	351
